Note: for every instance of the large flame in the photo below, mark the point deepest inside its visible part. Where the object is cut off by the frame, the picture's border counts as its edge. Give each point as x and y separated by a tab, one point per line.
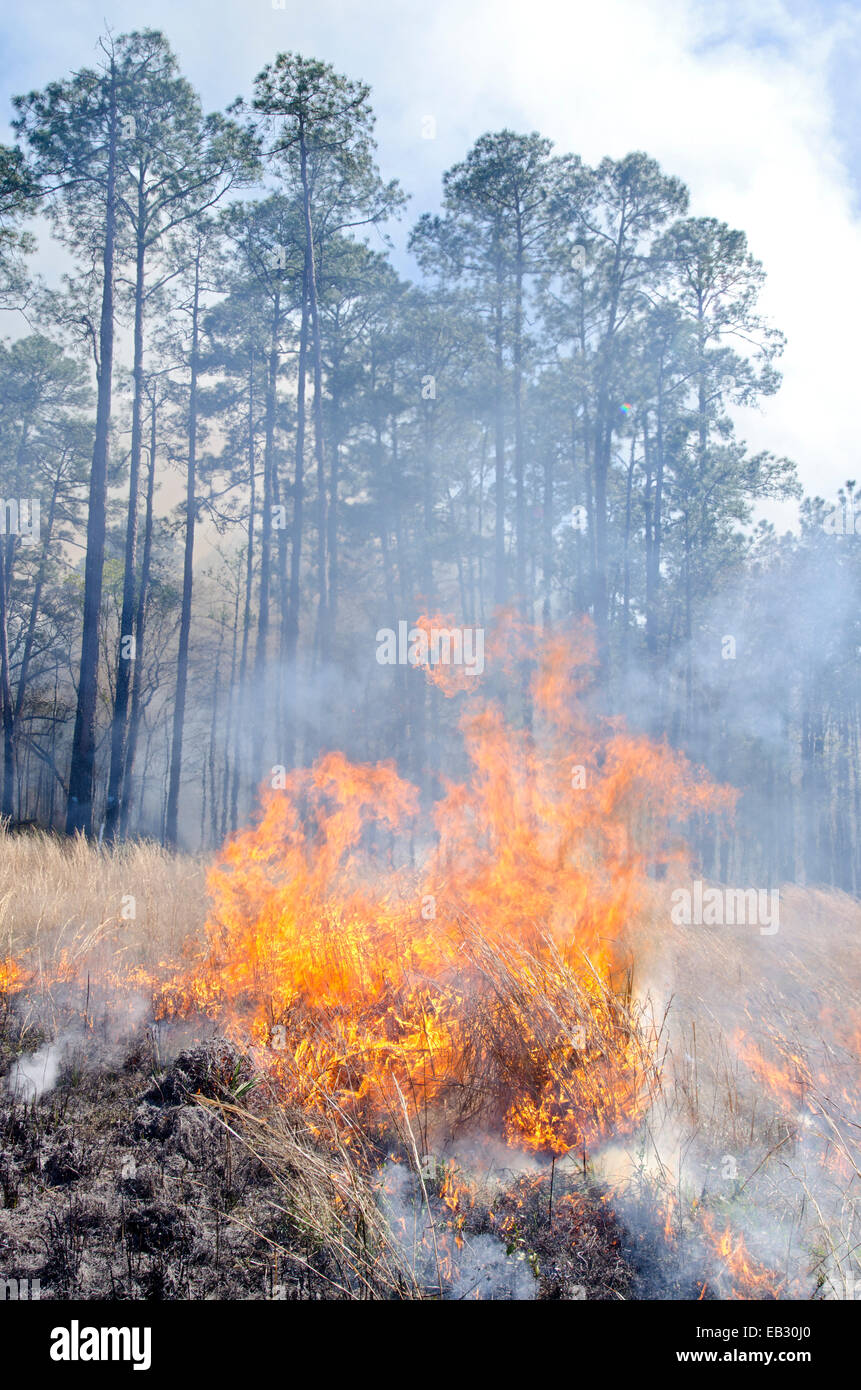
490	988
418	977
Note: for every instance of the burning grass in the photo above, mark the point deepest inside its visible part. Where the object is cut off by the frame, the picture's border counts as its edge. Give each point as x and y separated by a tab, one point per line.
500	1072
490	989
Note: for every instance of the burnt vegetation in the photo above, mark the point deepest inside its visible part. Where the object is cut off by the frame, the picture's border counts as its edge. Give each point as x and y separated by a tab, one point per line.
325	977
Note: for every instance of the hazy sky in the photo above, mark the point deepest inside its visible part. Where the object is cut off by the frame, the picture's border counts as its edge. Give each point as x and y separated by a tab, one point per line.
756	105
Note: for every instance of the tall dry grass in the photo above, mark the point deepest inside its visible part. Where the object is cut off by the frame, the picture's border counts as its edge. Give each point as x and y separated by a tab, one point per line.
793	996
759	1117
73	902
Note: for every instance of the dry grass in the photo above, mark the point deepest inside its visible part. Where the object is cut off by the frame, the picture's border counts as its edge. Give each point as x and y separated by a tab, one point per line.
63	901
759	1118
332	1218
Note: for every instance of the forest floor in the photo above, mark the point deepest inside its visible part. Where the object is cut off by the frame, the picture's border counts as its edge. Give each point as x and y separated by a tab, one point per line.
155	1161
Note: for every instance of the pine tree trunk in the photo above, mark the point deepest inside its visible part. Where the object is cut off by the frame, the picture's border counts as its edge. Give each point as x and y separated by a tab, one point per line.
261	647
500	585
79	809
125	662
7	804
140	625
239	744
319	446
172	811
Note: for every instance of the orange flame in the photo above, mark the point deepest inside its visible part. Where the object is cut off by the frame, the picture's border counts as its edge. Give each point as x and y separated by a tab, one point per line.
489	988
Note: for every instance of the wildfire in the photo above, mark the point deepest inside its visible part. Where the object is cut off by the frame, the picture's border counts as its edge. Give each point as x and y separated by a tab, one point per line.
489	989
748	1278
786	1082
12	977
486	993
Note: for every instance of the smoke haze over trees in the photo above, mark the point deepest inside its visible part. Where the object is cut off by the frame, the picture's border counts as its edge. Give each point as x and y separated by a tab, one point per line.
235	443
